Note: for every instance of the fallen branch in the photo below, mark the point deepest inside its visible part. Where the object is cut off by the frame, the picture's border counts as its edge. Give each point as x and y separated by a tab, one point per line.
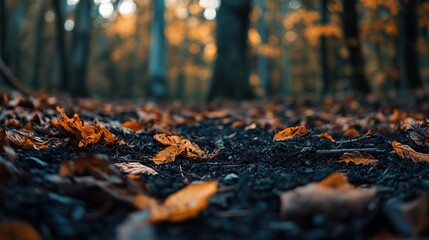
11	80
369	134
344	150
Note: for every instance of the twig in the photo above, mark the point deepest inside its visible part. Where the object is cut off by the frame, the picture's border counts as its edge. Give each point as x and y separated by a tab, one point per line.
181	171
354	140
11	80
343	150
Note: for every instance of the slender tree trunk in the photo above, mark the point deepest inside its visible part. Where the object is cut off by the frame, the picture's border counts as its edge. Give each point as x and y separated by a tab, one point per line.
3	28
181	77
286	76
231	69
81	48
324	51
358	82
13	36
409	64
39	45
64	75
157	54
262	60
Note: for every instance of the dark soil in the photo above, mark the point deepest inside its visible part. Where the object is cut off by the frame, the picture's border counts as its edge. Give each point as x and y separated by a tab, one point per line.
252	170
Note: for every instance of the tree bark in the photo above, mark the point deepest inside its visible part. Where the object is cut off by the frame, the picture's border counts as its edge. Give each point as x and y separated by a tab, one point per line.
409	64
64	77
81	48
262	60
3	26
231	69
286	76
326	88
158	89
359	83
39	45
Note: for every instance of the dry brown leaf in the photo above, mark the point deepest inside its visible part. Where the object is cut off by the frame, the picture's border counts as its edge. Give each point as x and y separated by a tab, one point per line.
405	151
290	133
22	139
326	136
358	158
94	165
419	133
133	125
135	168
351	133
83	134
334	197
179	146
185	204
18	230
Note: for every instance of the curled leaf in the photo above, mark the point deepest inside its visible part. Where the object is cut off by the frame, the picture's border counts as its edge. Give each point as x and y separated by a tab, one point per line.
419	133
179	146
290	133
82	134
133	125
135	168
334	197
185	204
405	151
358	158
22	139
326	136
352	133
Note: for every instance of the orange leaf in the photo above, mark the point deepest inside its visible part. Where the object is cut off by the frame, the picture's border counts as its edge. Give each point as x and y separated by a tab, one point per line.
83	134
405	151
352	133
16	229
135	168
185	204
89	164
290	133
334	197
358	158
133	125
168	155
22	139
179	146
327	136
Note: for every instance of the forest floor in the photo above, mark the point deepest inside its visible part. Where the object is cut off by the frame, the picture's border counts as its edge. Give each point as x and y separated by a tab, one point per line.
55	184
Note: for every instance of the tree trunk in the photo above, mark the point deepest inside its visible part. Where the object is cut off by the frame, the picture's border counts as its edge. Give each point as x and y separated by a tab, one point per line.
286	76
409	64
12	48
262	60
231	69
358	82
157	54
3	30
39	45
64	78
81	48
324	50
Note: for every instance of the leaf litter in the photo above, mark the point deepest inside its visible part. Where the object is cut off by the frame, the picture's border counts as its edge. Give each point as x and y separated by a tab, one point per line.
276	185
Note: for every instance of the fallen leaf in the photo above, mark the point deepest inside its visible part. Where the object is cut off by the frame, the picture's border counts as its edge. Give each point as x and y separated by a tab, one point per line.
94	165
333	197
351	133
405	151
326	136
358	158
22	139
179	146
290	133
419	133
18	230
133	125
185	204
81	134
135	168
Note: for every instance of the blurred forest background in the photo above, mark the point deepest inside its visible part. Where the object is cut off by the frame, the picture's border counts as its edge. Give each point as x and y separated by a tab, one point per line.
194	50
